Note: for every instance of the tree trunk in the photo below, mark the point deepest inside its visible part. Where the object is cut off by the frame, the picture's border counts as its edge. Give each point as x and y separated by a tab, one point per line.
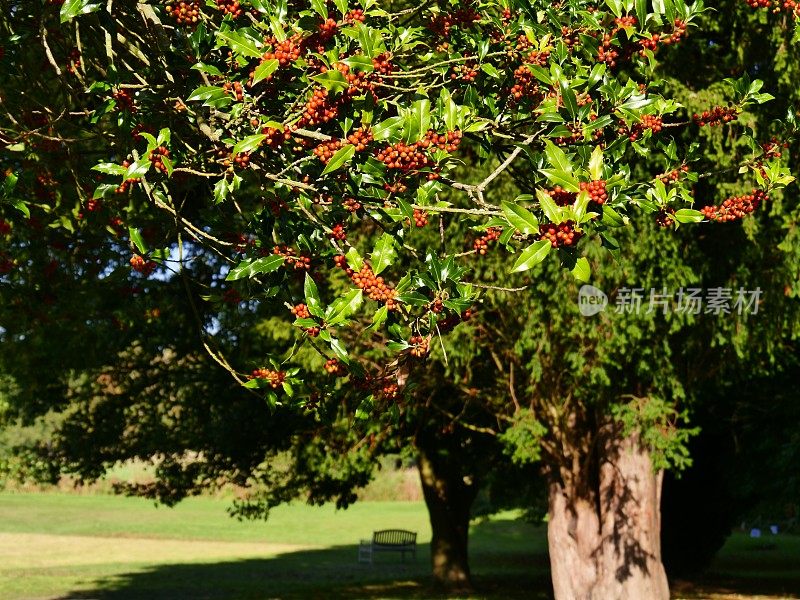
604	527
448	498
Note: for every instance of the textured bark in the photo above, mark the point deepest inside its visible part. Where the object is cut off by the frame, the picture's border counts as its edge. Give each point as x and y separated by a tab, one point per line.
604	528
448	498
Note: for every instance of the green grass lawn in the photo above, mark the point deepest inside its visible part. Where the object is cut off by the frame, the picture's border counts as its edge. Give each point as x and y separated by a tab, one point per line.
106	547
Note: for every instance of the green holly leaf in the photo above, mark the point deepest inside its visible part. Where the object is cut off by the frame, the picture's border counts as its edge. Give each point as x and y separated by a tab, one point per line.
532	256
563	178
238	42
688	215
313	300
265	69
549	207
596	163
249	268
384	253
519	217
73	8
343	307
248	144
343	155
582	271
138	241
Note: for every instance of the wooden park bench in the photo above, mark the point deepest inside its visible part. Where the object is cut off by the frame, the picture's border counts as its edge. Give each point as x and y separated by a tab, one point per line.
388	540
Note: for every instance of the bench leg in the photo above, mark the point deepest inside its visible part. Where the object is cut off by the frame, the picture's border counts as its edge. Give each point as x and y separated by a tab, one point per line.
365	554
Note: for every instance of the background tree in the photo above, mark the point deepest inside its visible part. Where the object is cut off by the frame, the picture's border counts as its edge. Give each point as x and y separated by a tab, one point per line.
392	96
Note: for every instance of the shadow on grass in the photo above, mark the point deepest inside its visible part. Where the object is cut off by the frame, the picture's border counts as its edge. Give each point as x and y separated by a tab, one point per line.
749	568
331	573
508	559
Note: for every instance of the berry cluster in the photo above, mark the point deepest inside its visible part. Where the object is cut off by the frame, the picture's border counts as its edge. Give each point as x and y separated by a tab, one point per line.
335	368
405	157
597	190
525	86
735	207
626	21
351	205
355	16
139	128
561	196
607	52
360	138
240	241
772	148
275	378
652	122
338	233
239	161
286	52
235	89
481	245
327	29
185	12
463	17
664	217
678	32
790	6
448	142
301	311
326	150
716	116
383	65
124	100
230	7
157	156
634	132
412	157
276	137
125	185
612	52
674	175
420	346
140	265
519	46
301	262
319	109
449	323
561	235
45	186
466	72
358	84
388	391
73	61
374	286
420	218
575	136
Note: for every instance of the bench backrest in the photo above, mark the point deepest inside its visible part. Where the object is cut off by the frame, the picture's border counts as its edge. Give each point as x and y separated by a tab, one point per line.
394	537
